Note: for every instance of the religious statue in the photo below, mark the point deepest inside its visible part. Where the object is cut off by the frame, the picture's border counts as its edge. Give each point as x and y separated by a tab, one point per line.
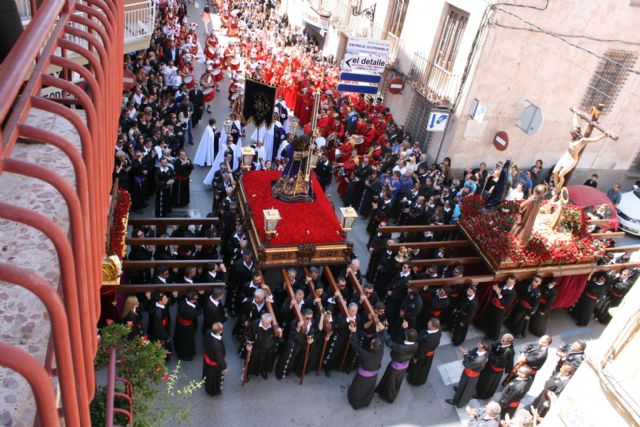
528	212
571	157
294	185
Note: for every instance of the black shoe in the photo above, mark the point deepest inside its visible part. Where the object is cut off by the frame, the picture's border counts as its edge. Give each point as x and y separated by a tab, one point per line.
190	142
327	373
451	402
455	388
475	396
265	375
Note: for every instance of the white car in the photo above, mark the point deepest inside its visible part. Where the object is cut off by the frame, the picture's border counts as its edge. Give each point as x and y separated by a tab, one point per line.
629	212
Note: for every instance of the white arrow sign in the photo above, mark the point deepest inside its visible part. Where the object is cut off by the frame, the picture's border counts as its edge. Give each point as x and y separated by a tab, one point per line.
358	63
437	121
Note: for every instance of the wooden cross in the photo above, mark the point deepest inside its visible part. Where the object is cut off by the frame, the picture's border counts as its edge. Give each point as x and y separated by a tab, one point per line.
591	117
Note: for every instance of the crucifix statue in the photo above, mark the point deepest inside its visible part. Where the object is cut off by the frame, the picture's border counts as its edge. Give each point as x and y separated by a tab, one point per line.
579	140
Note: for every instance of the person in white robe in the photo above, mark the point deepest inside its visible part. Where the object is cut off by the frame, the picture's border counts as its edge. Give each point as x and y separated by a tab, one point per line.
206	148
265	134
220	158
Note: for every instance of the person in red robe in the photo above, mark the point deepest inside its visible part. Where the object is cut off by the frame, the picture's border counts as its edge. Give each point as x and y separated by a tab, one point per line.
346	171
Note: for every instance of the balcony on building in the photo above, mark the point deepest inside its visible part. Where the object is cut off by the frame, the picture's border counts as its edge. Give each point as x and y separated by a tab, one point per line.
433	81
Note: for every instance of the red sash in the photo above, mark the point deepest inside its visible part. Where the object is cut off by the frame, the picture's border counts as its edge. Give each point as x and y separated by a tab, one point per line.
615	294
209	361
525	304
184	322
496	302
495	368
181	177
435	313
429	353
543	300
165	320
514	404
591	297
470	373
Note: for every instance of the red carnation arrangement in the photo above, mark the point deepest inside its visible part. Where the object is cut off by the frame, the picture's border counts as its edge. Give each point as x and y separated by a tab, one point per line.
492	232
118	231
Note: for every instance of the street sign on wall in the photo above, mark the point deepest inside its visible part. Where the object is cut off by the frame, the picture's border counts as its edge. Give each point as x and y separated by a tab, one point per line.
366	45
346	87
363	63
366	78
438	121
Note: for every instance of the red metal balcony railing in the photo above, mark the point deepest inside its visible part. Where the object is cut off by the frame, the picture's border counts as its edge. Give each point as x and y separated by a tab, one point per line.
93	30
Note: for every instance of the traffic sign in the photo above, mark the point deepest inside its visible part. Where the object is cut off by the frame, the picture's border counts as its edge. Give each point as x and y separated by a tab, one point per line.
438	121
396	85
366	78
365	45
129	80
345	87
363	63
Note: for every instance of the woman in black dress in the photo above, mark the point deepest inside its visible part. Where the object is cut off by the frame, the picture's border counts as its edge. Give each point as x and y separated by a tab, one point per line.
131	317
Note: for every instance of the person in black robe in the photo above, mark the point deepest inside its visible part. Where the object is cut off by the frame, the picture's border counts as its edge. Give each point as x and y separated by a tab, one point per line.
526	307
555	385
473	363
401	355
324	171
138	177
213	309
165	177
501	300
410	308
534	355
363	386
182	167
213	364
241	273
396	291
500	361
428	341
377	247
463	315
159	325
571	354
540	320
294	351
184	335
514	392
251	309
386	270
435	300
619	287
337	337
584	308
261	340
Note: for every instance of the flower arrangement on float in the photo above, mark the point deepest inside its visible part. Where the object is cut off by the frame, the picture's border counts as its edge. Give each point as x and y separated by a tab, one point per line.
118	232
492	233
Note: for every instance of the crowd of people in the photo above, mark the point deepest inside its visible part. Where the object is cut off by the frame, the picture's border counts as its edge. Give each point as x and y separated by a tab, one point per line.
379	170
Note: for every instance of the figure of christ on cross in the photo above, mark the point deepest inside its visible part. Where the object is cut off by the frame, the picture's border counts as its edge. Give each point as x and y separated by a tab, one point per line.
579	141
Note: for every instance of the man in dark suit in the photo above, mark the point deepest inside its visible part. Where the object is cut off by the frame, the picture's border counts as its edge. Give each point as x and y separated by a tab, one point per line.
171	53
197	99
